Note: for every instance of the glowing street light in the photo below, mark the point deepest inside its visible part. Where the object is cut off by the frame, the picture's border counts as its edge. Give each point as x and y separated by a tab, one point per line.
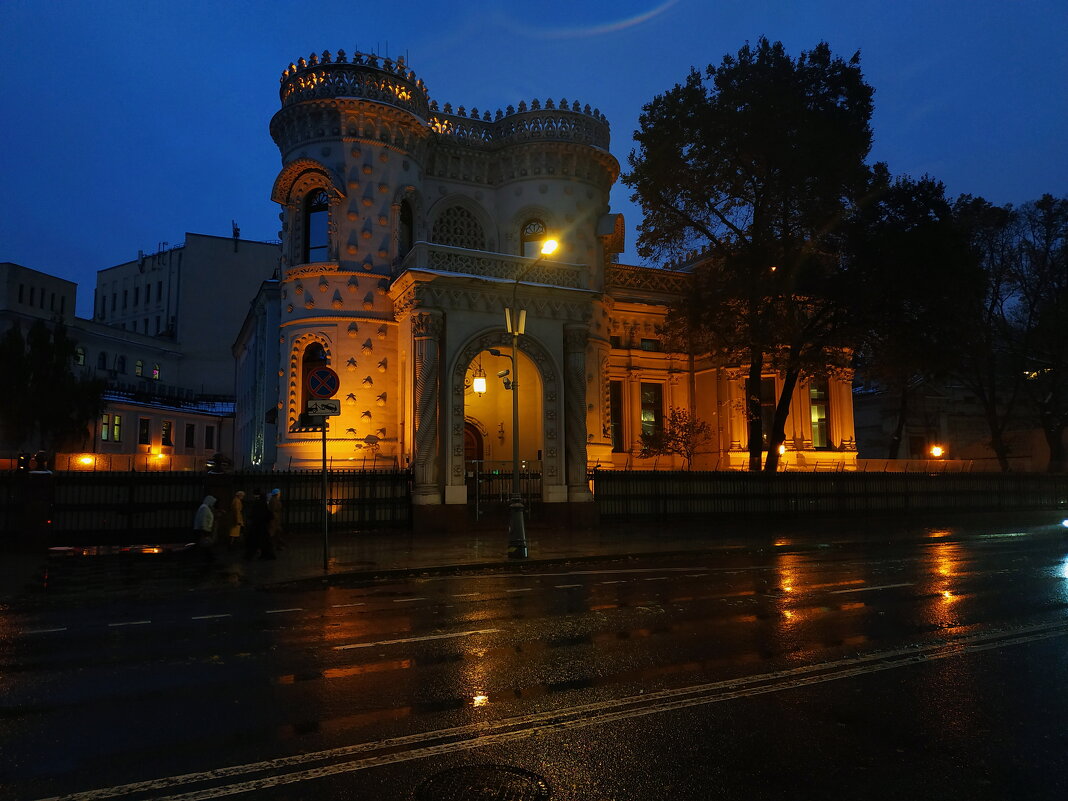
937	451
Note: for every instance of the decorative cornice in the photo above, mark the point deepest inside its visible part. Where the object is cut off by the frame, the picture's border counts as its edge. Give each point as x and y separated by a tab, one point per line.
646	279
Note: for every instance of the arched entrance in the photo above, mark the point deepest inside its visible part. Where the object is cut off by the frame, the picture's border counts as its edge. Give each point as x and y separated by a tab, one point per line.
474	450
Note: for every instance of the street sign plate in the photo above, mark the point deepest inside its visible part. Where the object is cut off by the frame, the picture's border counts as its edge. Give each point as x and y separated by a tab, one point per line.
324	406
323	383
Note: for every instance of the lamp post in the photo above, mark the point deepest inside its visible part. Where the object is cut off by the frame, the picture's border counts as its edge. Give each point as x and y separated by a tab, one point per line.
515	322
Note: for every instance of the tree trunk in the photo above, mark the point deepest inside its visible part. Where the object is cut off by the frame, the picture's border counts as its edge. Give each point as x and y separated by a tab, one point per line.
752	409
778	426
902	414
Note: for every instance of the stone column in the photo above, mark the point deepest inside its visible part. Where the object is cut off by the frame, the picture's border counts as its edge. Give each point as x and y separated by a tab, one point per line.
575	339
426	332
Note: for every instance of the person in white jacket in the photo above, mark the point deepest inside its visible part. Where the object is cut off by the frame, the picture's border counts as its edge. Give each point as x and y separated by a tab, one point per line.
204	526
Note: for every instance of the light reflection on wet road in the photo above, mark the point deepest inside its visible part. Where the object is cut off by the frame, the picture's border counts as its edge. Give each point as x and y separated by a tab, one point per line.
908	644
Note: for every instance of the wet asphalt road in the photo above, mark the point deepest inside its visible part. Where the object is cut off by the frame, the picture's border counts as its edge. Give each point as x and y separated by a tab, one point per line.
929	669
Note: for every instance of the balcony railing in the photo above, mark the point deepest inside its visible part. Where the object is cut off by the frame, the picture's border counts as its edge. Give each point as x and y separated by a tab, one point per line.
443	258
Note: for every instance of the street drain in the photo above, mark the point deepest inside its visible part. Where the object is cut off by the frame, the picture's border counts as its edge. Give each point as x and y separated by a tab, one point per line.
483	783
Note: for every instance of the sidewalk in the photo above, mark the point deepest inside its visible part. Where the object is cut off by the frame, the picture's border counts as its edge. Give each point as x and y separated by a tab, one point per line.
383	553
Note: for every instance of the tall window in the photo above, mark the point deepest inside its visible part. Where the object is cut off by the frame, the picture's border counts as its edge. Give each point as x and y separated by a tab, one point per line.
120	364
458	227
209	437
531	236
155	372
819	413
314	356
116	428
105	427
79	355
139	367
316	226
767	408
190	435
144	431
102	361
652	408
166	438
405	230
615	399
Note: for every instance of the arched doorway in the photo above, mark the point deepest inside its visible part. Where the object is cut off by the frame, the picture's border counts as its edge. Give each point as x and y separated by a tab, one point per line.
474	446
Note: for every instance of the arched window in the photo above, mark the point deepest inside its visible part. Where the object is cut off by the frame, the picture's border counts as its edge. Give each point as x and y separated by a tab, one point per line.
458	227
120	364
139	367
316	226
155	372
531	236
102	361
79	355
405	230
314	356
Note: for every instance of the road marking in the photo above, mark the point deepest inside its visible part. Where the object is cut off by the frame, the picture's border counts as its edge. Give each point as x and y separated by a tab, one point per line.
871	589
415	639
658	578
695	575
611	582
46	631
567	586
130	623
406	600
338	606
291	609
465	594
290	770
209	617
521	589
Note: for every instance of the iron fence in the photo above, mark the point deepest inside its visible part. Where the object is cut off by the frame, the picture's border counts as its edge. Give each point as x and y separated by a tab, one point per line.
644	494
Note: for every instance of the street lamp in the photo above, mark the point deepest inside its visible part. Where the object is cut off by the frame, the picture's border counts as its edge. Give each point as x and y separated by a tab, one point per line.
515	322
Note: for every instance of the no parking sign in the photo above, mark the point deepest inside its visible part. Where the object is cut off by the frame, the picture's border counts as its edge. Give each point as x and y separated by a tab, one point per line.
323	383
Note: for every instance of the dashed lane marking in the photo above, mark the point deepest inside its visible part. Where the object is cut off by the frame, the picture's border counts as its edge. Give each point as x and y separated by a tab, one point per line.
415	639
46	631
465	594
130	623
521	589
567	586
290	609
338	606
406	600
872	589
210	617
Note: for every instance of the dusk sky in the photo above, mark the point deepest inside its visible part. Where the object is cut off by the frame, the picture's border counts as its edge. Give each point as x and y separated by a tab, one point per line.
127	124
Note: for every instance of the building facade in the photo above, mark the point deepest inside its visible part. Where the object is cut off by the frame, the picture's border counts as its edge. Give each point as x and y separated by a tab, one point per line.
408	229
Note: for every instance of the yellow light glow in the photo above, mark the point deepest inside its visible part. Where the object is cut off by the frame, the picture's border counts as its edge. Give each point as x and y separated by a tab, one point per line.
480	700
937	451
161	456
86	460
549	246
479	384
782	449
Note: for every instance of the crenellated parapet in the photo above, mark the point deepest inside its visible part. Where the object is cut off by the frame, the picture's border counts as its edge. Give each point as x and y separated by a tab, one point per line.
365	76
551	122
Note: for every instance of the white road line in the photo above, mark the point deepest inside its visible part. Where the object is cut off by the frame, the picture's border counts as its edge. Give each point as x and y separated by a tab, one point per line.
658	578
130	623
45	631
338	606
567	586
695	575
521	589
871	589
465	594
209	617
414	639
291	609
406	600
610	582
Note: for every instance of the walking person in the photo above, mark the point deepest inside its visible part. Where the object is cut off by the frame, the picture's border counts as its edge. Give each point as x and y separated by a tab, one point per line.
274	527
257	539
237	519
204	528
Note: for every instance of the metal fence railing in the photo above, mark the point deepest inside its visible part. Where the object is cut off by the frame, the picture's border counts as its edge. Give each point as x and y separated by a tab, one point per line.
644	494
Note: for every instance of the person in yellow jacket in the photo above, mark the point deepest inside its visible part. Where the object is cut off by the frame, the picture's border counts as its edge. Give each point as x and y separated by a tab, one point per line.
237	517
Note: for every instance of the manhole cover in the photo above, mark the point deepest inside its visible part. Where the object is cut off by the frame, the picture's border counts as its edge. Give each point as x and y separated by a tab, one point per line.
483	783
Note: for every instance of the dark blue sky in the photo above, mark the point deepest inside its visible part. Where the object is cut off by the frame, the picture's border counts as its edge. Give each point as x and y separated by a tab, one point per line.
127	124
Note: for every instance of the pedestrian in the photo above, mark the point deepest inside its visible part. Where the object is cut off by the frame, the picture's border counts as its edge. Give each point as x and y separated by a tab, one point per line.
237	518
204	528
274	527
257	539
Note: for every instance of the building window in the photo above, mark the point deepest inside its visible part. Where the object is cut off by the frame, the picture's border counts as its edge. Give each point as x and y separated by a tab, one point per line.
120	364
137	295
116	428
139	367
146	325
22	293
190	435
615	341
105	427
531	236
316	226
79	356
102	361
458	227
166	438
144	433
652	408
819	413
148	293
157	325
125	297
155	372
650	344
33	294
134	325
209	438
159	291
615	395
405	230
767	409
314	356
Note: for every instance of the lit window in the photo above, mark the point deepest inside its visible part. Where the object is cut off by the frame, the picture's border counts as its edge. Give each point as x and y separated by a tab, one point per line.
139	367
616	402
116	428
165	436
652	408
531	236
105	427
819	414
651	344
79	355
144	431
767	408
316	226
155	372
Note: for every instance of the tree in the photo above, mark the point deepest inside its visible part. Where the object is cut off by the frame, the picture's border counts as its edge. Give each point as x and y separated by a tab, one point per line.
682	433
53	407
914	279
760	158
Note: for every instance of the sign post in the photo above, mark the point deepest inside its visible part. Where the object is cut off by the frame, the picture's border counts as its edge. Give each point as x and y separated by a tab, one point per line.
322	384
